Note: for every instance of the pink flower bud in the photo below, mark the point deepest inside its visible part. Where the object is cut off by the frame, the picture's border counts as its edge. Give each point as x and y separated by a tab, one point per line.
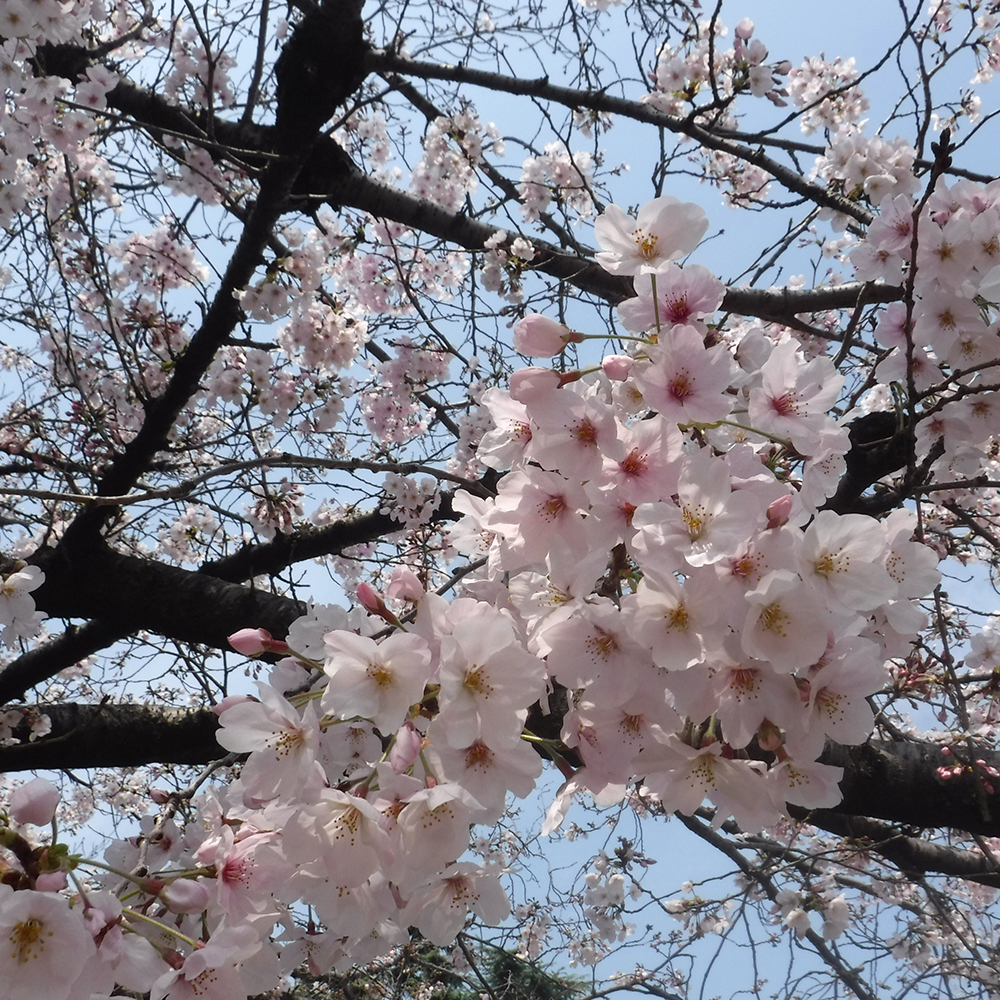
254	641
370	599
618	367
159	795
780	510
405	749
184	895
744	29
51	882
372	602
537	336
405	585
34	802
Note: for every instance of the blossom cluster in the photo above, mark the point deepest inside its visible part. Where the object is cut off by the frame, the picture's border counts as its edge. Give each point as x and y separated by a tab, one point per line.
659	550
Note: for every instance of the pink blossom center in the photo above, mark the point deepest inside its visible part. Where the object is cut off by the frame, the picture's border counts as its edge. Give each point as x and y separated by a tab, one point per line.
678	310
479	757
680	386
784	406
585	432
236	870
634	463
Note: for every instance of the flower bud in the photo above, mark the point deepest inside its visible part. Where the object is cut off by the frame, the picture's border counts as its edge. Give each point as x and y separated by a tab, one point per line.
780	510
184	895
618	367
372	602
537	336
34	802
769	736
254	641
405	748
744	29
51	882
227	702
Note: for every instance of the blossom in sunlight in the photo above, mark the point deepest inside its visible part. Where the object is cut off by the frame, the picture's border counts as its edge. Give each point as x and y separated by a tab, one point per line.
687	381
664	230
377	681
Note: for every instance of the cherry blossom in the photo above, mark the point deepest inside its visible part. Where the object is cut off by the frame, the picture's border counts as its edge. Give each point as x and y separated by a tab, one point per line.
664	230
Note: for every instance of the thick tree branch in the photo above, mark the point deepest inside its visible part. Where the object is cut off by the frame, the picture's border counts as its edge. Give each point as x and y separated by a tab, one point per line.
109	735
43	662
391	62
328	174
909	854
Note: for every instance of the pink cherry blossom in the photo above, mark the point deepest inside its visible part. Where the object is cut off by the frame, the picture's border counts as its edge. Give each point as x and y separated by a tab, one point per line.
377	681
46	945
686	382
786	624
683	297
439	909
664	230
793	398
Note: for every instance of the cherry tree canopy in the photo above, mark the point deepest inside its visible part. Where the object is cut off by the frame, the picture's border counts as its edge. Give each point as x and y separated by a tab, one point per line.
270	280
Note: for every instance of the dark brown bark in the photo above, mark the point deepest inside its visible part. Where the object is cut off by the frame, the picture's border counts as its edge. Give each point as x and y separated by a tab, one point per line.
896	782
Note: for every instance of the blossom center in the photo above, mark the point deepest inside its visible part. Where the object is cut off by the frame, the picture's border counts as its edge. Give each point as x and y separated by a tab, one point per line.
552	507
631	724
677	618
26	939
478	757
695	521
603	644
680	386
382	677
678	309
646	242
830	563
634	464
236	871
477	682
773	619
784	406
